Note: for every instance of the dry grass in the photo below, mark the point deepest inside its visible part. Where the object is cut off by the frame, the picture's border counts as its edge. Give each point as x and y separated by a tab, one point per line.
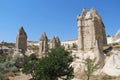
102	76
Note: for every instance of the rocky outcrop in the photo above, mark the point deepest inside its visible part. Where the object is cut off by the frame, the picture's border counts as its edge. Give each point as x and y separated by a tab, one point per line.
54	42
43	45
112	66
21	40
58	41
91	38
116	37
90	30
91	34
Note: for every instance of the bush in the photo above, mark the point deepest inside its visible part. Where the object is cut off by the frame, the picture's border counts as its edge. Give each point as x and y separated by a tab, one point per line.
107	78
51	67
7	65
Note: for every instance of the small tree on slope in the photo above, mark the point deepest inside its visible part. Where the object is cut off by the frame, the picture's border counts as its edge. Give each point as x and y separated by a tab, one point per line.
90	67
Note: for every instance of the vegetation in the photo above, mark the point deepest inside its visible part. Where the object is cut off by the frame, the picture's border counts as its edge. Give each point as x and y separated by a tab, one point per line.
51	67
30	64
107	78
7	65
91	67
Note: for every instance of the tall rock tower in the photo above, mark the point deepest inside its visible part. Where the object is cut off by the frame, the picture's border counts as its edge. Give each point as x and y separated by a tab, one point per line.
91	36
43	48
91	31
21	40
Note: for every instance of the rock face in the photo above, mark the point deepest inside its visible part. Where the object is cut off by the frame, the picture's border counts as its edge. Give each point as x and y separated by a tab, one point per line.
117	35
69	44
45	44
91	34
54	42
116	38
21	40
43	48
91	38
90	30
58	42
112	66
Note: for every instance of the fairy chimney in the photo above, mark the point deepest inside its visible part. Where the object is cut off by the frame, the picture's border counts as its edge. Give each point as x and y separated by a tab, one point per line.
91	35
43	45
90	30
21	40
54	42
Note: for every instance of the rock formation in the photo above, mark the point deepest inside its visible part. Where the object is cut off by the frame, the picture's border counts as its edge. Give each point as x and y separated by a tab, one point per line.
90	30
21	40
43	48
116	38
91	34
54	42
58	42
112	66
91	38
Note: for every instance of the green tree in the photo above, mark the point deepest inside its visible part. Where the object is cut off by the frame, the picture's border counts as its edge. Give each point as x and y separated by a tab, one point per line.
30	64
51	67
91	67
